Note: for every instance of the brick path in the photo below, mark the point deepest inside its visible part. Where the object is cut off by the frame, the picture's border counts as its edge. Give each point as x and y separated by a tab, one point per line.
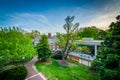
32	73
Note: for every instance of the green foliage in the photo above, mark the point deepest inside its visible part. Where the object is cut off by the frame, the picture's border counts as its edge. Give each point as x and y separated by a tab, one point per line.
95	65
109	56
85	49
92	32
14	45
32	34
102	34
43	48
70	29
66	41
61	39
57	56
108	74
18	73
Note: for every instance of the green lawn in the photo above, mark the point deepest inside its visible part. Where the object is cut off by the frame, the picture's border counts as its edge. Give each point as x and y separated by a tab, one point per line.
73	71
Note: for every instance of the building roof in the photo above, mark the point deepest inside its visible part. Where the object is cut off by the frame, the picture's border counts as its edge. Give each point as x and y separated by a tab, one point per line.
88	41
82	55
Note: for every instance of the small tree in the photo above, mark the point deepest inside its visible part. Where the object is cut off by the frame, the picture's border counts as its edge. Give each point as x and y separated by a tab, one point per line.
43	48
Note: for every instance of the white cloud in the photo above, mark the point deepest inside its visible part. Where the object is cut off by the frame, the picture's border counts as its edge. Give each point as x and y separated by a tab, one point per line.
54	20
104	18
31	21
100	18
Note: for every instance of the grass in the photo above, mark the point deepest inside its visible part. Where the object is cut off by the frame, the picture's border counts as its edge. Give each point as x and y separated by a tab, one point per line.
73	71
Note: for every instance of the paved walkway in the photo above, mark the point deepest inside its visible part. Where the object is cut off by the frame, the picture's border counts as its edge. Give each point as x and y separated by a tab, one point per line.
32	73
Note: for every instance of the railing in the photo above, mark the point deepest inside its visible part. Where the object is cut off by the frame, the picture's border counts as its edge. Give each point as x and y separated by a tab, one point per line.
82	55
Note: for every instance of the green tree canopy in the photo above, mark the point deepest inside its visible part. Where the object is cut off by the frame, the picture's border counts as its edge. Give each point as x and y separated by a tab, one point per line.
102	34
108	57
43	48
67	40
90	32
14	45
32	34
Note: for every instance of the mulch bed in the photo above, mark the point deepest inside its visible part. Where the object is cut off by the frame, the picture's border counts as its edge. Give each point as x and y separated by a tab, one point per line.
46	62
63	62
92	71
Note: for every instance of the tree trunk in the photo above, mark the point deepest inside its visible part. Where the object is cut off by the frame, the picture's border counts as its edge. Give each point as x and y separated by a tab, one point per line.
67	52
63	53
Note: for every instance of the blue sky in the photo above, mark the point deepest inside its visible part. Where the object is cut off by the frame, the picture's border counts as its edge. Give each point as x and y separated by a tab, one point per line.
48	16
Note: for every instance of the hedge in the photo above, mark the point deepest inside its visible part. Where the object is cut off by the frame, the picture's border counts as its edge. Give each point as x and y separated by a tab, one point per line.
17	73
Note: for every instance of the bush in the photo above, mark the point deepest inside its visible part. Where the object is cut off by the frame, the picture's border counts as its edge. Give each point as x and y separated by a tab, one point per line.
18	73
110	75
95	65
57	56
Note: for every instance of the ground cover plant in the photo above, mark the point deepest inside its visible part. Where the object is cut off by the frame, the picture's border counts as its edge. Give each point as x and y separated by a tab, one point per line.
72	71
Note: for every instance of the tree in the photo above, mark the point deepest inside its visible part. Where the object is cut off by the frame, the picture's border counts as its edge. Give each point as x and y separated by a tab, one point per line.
85	49
68	38
108	58
43	48
32	34
14	45
35	33
61	40
102	34
90	32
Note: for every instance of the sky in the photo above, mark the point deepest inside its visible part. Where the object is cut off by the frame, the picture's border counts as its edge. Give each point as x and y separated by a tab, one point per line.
48	16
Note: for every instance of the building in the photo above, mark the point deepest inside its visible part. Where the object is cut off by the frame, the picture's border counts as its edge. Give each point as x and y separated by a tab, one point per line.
51	41
79	57
90	42
85	58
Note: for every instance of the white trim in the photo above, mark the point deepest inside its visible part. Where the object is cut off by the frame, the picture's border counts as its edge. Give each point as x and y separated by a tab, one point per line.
32	76
38	73
43	77
95	50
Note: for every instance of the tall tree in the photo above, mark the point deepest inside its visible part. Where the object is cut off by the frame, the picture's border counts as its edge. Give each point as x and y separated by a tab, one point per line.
70	28
43	48
108	58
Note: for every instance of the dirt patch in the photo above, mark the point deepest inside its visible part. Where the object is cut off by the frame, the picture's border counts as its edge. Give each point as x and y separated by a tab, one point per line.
92	71
63	62
46	62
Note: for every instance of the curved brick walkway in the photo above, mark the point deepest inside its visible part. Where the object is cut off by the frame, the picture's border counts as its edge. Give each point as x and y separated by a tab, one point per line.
32	73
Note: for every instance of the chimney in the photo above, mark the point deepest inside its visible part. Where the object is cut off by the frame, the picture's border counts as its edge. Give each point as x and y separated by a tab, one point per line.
49	35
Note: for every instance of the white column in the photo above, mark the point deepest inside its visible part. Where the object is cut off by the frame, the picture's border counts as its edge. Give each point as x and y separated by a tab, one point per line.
95	50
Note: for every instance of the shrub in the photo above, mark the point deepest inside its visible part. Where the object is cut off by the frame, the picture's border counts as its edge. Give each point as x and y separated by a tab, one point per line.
57	56
95	65
17	73
108	74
